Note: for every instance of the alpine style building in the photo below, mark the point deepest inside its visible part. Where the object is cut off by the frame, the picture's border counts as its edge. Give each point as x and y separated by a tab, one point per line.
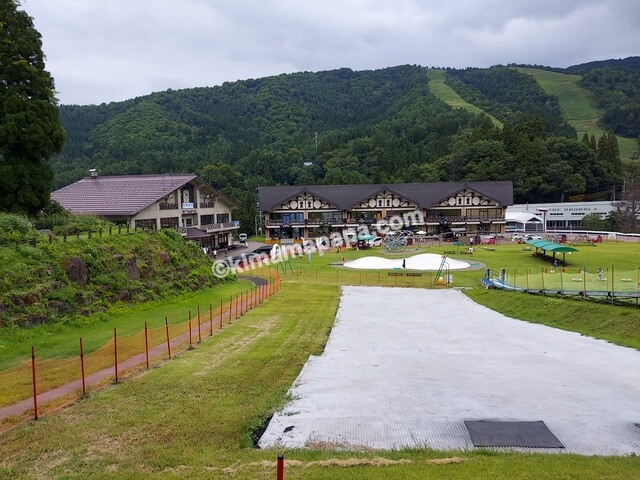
180	201
294	212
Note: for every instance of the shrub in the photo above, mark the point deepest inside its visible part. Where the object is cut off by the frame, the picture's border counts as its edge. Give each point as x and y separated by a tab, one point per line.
16	228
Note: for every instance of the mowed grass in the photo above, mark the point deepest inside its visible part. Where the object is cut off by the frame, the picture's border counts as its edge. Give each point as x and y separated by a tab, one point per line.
577	105
57	346
194	416
449	96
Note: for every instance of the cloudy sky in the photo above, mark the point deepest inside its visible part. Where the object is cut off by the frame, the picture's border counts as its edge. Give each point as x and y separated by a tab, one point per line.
112	50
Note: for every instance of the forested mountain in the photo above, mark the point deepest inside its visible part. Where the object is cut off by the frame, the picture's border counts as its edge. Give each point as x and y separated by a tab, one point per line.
342	126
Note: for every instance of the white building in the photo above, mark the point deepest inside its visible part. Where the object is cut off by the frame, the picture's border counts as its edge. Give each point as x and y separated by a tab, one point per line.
530	217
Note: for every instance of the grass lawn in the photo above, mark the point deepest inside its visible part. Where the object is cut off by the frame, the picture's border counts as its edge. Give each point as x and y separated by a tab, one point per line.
449	96
194	416
577	106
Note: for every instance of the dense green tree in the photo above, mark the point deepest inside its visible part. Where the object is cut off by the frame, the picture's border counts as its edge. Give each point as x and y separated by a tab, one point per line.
594	221
30	130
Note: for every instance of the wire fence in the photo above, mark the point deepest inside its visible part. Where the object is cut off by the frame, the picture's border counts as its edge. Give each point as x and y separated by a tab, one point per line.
46	384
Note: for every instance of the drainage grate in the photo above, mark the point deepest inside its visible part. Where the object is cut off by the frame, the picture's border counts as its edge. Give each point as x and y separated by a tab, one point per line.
485	433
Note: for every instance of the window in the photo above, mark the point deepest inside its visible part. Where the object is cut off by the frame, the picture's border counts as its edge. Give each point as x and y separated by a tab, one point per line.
222	218
149	224
171	222
207	219
293	217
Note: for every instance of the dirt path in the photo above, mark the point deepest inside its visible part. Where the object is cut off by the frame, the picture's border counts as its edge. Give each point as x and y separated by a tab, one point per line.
99	377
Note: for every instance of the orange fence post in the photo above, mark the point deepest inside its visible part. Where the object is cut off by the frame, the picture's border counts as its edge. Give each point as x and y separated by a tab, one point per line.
210	319
84	388
146	344
199	333
230	307
115	353
166	326
33	376
220	314
236	306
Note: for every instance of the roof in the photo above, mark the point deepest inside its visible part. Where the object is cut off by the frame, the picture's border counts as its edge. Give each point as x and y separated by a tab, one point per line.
551	246
121	195
522	217
424	195
194	232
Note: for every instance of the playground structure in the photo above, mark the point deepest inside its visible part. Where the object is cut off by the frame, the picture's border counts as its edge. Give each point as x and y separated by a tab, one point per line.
610	284
398	241
444	266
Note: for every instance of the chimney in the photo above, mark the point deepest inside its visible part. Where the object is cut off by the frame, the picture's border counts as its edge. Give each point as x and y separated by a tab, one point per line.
93	172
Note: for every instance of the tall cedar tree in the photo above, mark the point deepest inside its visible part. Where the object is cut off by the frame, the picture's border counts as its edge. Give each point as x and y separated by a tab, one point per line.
30	130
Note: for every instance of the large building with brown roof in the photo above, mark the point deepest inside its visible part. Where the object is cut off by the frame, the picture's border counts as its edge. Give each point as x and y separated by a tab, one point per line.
180	201
318	210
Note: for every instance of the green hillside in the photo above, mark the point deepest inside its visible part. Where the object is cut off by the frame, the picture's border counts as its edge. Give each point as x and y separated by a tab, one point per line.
577	105
45	281
449	96
393	125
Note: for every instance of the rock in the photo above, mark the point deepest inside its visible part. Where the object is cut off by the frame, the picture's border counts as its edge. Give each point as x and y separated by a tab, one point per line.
124	296
132	269
76	270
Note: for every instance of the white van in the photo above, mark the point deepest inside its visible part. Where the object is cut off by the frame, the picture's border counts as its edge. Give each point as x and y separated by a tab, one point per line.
243	238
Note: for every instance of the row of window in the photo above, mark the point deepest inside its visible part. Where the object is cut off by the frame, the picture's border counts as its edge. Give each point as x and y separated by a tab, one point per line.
337	216
174	222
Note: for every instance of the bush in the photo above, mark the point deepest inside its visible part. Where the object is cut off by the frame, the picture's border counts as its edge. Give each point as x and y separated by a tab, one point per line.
80	223
16	228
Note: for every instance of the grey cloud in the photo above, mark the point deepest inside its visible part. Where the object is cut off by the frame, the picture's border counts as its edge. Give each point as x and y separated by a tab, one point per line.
108	50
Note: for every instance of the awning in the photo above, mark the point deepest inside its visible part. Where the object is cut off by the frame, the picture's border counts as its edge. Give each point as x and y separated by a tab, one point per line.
551	246
194	233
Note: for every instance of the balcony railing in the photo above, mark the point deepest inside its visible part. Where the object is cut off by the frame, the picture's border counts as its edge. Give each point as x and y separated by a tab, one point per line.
168	206
218	227
439	220
207	205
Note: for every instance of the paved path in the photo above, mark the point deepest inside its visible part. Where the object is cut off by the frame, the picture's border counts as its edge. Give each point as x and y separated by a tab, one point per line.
132	362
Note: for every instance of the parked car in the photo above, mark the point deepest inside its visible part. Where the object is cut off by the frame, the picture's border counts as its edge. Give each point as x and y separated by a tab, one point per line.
247	259
488	239
375	242
265	249
243	238
363	244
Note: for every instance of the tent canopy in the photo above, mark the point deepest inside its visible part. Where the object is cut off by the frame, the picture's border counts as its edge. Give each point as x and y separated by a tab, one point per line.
551	246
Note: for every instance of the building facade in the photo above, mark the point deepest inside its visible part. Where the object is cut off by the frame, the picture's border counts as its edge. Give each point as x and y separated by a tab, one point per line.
294	212
180	201
562	216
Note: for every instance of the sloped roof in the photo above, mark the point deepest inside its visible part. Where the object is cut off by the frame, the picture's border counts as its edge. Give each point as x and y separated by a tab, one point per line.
120	195
425	195
551	246
522	217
